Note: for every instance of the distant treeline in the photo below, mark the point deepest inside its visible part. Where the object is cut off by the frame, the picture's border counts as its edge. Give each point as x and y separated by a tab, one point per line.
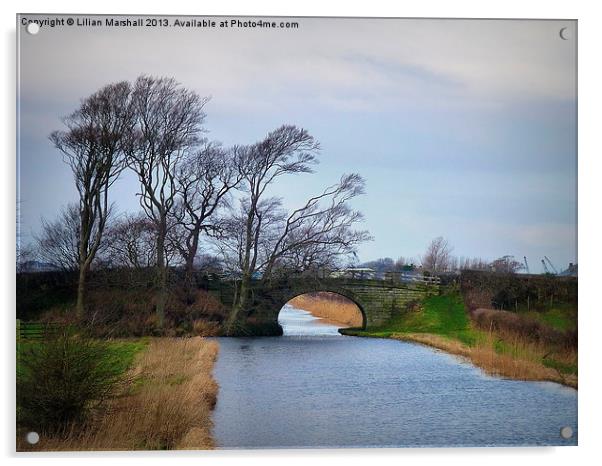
516	291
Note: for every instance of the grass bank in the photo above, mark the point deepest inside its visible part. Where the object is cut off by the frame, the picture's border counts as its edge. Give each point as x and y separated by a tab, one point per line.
443	322
164	403
331	307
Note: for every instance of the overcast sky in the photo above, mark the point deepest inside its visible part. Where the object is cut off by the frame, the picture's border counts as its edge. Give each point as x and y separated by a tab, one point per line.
462	128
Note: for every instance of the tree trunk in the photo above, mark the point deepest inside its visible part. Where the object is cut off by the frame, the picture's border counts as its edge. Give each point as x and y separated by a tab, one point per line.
189	268
84	238
245	281
161	276
189	282
240	303
81	292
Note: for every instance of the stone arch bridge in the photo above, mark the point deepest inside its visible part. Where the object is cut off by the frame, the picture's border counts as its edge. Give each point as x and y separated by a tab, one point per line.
378	300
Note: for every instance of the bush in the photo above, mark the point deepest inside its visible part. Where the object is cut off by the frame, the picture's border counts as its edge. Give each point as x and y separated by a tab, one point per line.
505	321
205	328
61	380
117	312
415	305
512	291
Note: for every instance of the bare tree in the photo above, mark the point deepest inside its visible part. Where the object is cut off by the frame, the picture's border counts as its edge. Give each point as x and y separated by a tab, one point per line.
93	146
324	224
26	254
475	263
452	264
318	234
286	150
506	264
269	215
169	119
131	242
203	181
316	257
210	263
58	241
437	256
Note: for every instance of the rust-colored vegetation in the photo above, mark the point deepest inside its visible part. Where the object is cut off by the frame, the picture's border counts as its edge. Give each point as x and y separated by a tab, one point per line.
166	404
502	343
331	307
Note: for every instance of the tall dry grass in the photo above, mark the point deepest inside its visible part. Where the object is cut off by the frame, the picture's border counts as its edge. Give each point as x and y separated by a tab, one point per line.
331	307
166	405
448	345
505	354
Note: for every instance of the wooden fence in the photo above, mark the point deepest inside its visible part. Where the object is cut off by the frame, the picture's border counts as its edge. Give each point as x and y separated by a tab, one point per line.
37	330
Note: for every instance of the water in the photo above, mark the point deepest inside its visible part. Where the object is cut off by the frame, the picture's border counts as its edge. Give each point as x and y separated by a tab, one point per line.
316	388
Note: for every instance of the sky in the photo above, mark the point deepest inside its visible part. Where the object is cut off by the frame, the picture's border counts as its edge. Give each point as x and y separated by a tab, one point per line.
462	128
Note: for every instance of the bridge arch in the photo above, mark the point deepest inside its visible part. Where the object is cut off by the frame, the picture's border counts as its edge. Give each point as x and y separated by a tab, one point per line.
378	300
347	294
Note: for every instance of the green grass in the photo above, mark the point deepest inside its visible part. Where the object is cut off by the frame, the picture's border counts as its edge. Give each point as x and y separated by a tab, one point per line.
121	353
446	316
441	315
560	366
560	317
60	379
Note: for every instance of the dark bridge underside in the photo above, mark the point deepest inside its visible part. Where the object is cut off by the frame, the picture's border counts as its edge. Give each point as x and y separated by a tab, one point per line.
378	300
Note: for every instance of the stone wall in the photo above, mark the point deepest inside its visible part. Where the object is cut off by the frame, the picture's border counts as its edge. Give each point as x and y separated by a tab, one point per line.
382	301
378	300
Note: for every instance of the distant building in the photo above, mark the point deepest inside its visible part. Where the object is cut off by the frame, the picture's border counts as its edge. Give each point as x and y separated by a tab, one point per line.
571	271
360	273
37	266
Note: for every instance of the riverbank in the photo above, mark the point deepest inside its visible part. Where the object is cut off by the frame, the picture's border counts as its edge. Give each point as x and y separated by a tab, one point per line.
442	322
323	391
331	307
166	403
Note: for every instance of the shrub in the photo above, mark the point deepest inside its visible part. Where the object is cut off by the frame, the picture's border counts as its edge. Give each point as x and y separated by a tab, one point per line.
204	328
115	312
514	291
61	380
415	305
504	321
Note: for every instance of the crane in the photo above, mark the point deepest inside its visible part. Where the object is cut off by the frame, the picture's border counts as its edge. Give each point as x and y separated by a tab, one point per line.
551	265
545	267
526	264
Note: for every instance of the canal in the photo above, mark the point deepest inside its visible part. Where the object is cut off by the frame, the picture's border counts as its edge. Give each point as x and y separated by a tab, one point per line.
313	387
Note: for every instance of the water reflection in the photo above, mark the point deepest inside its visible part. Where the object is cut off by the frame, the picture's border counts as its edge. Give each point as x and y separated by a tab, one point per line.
297	322
316	388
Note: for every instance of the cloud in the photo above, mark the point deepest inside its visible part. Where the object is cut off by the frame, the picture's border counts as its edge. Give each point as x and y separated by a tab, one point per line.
379	62
457	125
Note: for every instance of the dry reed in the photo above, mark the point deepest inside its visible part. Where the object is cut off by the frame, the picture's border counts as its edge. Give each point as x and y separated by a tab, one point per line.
331	307
166	405
521	359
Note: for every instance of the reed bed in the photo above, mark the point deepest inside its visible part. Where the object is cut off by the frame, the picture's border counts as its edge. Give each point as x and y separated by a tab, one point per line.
499	342
331	307
504	354
166	403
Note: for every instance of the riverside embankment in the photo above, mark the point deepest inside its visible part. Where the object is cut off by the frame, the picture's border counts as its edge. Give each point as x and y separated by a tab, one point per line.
313	387
443	322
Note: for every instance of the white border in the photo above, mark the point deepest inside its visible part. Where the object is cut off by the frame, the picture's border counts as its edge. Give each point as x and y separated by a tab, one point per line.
590	153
